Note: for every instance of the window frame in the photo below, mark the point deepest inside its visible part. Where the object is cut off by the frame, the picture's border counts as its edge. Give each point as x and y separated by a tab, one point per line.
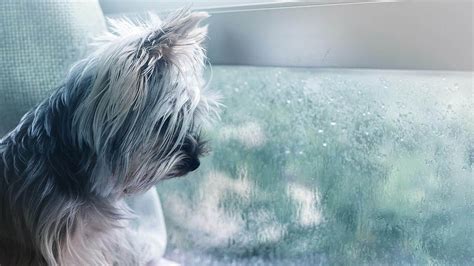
393	34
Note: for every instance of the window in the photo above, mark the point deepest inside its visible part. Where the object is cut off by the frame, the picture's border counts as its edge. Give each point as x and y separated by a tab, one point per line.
314	166
346	137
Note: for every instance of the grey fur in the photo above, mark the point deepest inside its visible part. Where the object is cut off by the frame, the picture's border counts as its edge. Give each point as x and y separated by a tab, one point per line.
125	118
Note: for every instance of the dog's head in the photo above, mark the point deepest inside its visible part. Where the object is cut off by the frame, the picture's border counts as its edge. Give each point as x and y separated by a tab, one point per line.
138	103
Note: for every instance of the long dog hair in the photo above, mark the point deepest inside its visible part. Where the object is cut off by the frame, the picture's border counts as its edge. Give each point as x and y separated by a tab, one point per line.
126	117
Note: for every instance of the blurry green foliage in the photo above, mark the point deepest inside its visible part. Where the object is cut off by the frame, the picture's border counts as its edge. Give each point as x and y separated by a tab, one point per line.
336	166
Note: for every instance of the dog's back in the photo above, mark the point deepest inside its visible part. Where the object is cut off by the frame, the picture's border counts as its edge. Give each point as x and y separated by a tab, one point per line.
15	249
37	219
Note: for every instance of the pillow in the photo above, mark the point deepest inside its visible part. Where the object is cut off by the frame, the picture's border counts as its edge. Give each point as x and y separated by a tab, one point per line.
40	40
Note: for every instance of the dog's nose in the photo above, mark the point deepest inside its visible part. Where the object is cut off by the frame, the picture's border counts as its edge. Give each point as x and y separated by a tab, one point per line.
194	164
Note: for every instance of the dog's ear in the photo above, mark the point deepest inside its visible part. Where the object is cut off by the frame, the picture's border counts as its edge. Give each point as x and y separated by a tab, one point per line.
173	40
177	37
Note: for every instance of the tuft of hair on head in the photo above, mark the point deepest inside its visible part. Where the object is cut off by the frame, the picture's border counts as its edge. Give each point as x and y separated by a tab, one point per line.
145	89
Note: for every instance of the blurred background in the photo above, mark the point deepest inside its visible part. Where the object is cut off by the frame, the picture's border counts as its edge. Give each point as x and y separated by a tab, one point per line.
347	135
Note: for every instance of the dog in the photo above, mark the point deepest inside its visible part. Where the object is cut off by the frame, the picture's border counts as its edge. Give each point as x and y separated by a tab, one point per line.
126	117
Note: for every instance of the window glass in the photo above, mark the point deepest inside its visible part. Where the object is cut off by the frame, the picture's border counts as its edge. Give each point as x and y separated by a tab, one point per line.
330	166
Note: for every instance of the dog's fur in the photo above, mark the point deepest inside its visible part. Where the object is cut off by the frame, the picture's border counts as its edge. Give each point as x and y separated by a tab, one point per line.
125	118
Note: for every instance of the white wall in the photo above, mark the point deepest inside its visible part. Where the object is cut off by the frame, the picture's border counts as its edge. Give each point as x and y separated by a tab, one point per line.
405	34
402	35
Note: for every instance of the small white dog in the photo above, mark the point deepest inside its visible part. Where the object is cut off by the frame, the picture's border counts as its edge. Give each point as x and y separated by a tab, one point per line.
126	117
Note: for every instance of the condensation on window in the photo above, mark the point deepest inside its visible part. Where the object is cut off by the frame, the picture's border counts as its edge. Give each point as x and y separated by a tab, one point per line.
330	167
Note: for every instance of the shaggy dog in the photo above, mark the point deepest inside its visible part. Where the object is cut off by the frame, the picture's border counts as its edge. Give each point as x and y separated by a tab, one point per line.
126	117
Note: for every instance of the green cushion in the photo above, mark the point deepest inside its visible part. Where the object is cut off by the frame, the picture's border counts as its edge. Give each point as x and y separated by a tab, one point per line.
40	40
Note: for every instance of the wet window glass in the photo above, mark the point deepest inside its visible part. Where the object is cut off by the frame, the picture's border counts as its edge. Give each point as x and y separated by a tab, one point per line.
330	166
